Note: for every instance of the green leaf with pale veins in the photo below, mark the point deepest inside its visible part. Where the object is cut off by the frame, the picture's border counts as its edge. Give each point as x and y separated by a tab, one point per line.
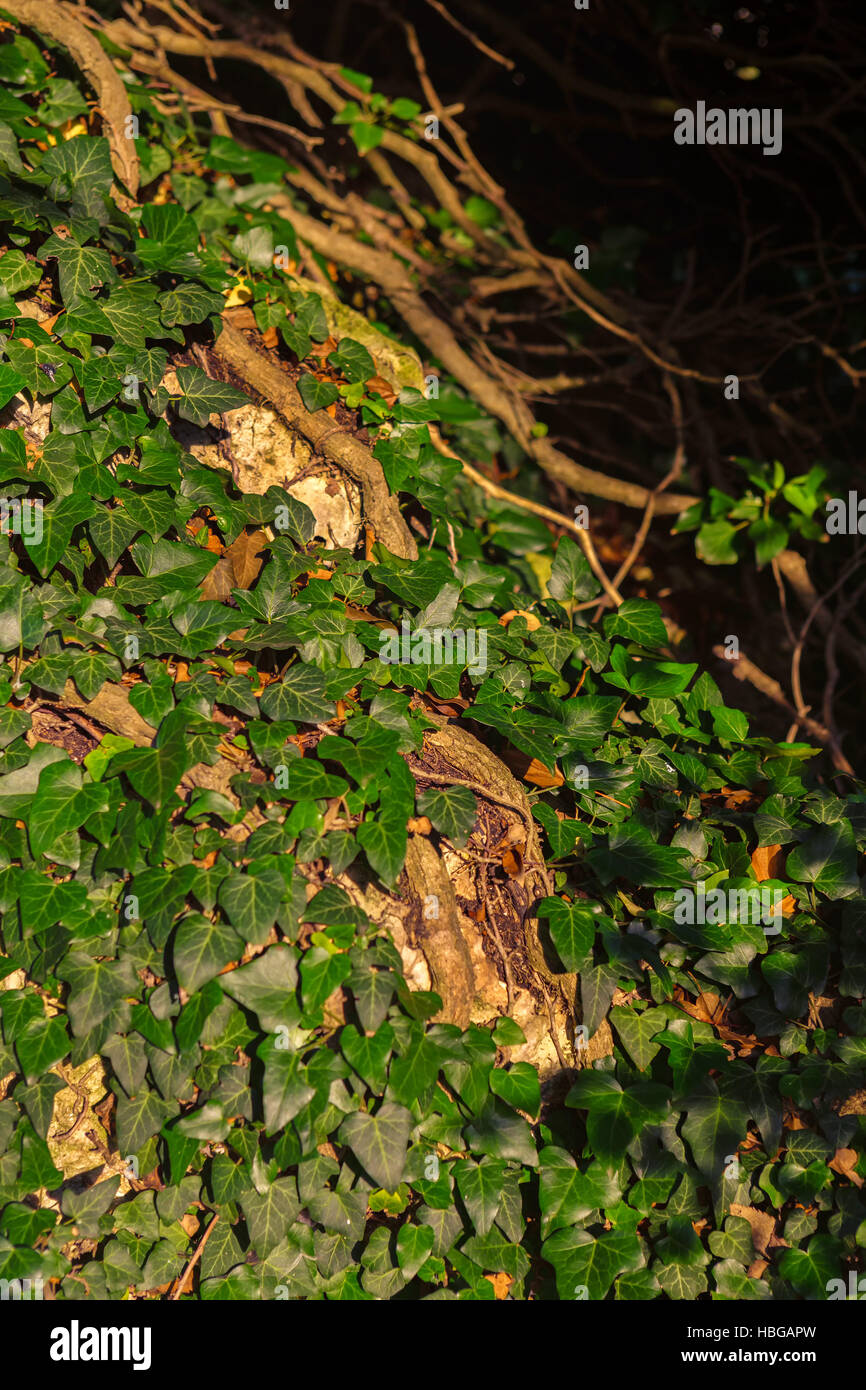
571	579
637	1032
91	670
480	1187
270	1213
572	928
317	394
251	903
80	172
202	397
139	1118
380	1142
82	269
452	810
202	948
61	803
286	1090
585	1267
384	843
299	695
639	620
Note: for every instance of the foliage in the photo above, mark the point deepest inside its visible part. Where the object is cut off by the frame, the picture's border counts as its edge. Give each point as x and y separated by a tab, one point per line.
381	1156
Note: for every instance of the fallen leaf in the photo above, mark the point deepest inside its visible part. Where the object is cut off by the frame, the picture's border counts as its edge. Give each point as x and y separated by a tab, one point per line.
768	861
218	584
323	350
501	1283
245	557
793	1120
541	776
855	1104
843	1162
382	388
763	1227
512	862
706	1007
419	825
240	293
270	337
532	622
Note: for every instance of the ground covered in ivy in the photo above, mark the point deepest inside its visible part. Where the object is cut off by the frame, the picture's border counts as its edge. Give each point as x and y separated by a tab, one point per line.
208	1048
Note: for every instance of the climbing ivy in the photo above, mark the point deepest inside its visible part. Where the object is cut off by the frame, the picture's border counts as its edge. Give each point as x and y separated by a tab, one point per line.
365	1152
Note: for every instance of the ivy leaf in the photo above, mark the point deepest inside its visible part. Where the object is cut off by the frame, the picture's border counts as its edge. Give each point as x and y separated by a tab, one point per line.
286	1090
128	1059
518	1086
384	843
91	670
42	1043
299	695
714	1128
586	1268
414	1244
96	986
316	394
155	772
270	1214
111	530
827	857
571	579
11	382
572	927
452	810
202	397
267	987
480	1187
82	269
63	103
101	380
188	303
568	1195
61	804
202	948
80	172
43	902
380	1142
638	620
637	1031
85	1207
138	1119
353	360
17	273
812	1270
131	311
44	366
251	902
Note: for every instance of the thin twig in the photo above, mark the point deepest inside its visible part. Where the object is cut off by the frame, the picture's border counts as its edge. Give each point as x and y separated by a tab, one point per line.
195	1259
